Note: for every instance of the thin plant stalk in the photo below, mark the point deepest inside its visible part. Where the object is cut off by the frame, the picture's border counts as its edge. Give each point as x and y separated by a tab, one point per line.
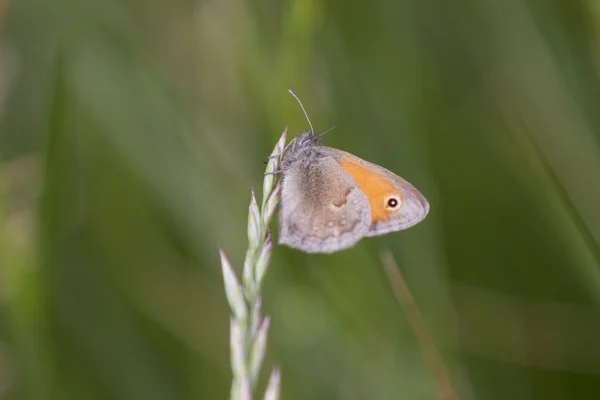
419	326
248	340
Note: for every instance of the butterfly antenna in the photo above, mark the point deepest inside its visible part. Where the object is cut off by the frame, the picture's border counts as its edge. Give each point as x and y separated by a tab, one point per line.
303	110
327	131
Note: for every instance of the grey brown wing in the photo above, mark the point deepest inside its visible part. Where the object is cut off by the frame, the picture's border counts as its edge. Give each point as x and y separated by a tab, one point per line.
322	208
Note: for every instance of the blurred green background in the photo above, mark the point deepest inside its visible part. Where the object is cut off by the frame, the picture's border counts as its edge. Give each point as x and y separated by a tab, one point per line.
132	131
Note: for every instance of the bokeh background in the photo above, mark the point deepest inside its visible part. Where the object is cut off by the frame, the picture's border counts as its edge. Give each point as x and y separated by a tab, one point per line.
132	131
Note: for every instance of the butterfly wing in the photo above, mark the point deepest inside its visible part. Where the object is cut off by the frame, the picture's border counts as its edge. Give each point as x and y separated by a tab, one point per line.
395	204
323	209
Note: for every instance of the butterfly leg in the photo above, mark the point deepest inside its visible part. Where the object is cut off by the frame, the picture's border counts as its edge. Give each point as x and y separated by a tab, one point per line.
284	150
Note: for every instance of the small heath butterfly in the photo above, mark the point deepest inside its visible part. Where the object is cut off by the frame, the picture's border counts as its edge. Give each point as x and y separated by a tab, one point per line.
331	199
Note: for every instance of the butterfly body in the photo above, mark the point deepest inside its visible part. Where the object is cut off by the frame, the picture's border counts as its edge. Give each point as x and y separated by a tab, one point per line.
331	199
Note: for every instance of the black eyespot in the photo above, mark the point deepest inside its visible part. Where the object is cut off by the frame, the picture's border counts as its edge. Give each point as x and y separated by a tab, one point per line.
392	203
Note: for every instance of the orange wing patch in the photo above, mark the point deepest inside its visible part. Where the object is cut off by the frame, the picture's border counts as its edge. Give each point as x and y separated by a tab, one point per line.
376	186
